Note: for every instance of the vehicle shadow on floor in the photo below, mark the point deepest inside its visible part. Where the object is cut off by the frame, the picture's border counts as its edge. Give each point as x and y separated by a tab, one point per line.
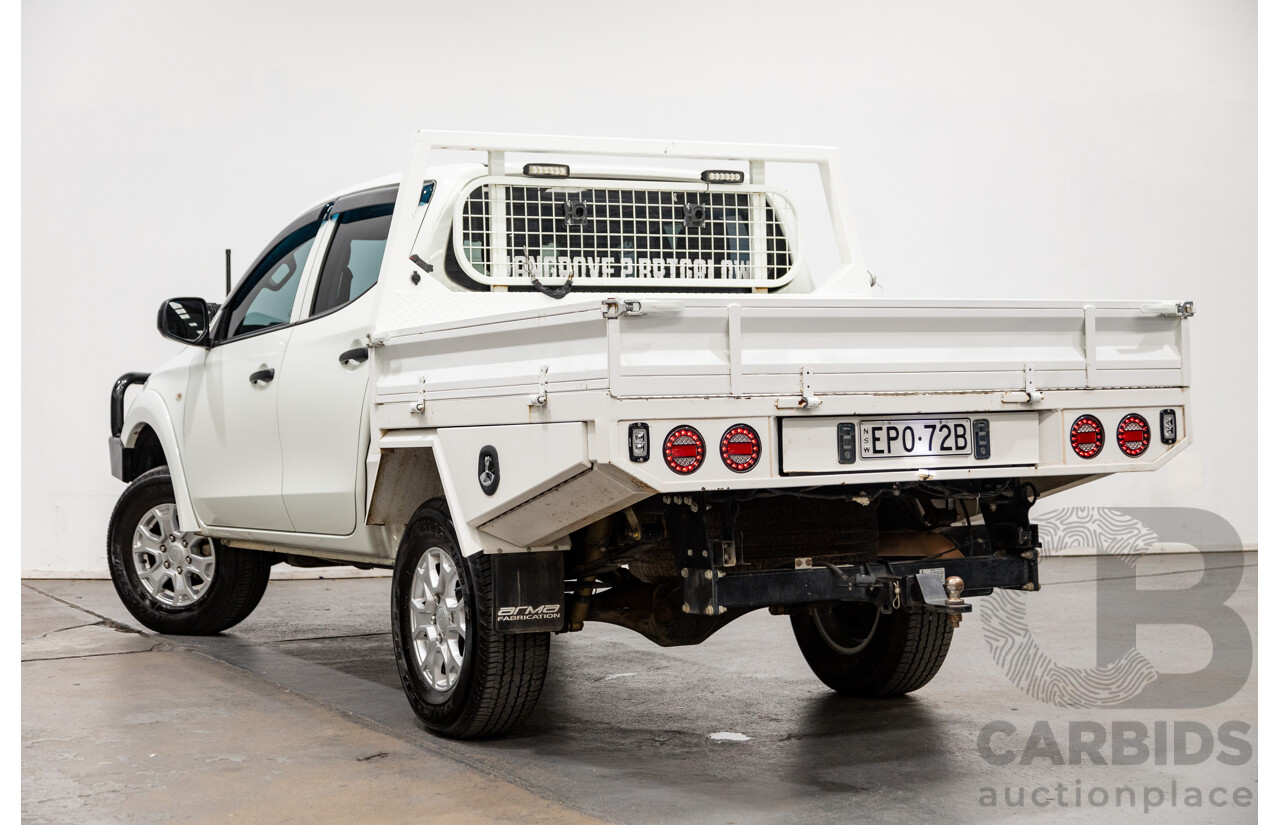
728	730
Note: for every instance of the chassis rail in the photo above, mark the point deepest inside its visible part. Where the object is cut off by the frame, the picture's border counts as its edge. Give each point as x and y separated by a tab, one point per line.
712	592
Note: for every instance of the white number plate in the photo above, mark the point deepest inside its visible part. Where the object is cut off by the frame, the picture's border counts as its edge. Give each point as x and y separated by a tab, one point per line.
899	438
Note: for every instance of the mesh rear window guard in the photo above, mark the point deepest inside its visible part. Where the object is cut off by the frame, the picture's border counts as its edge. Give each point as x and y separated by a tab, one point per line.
632	233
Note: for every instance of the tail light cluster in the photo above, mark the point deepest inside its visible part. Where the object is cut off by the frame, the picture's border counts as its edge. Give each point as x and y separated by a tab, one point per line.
740	448
684	449
1133	434
1087	436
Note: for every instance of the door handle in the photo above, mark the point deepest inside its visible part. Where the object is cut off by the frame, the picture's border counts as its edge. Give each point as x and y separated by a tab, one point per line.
354	356
262	376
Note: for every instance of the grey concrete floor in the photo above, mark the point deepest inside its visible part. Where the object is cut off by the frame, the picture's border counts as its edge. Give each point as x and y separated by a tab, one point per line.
297	715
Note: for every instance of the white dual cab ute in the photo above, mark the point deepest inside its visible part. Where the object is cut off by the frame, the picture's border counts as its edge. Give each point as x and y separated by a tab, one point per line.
552	387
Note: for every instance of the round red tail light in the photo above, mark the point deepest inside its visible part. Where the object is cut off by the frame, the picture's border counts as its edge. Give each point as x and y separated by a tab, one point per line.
1087	436
740	448
684	449
1133	435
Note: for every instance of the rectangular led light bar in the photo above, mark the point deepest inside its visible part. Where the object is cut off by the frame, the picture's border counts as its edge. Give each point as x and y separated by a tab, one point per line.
546	170
723	176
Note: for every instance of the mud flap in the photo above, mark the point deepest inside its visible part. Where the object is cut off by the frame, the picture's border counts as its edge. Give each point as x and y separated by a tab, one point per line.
528	592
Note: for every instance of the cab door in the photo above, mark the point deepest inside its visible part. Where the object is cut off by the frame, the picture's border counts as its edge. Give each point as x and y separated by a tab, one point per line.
232	452
324	378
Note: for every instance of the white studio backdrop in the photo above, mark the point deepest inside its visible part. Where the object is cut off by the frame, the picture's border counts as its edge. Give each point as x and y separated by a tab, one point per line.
1091	150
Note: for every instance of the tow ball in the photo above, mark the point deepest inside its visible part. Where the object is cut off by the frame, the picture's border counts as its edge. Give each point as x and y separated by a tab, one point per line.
943	593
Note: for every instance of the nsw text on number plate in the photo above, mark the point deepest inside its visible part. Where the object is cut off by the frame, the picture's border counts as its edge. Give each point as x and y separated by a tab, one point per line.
899	438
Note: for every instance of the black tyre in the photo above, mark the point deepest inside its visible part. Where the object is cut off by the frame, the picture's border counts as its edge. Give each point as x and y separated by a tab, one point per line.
463	679
859	651
176	582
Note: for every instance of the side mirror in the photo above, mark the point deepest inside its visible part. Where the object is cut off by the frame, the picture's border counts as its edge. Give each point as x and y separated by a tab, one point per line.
185	320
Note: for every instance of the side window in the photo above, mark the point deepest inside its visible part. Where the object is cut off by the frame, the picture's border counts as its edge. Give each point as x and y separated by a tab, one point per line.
354	258
265	299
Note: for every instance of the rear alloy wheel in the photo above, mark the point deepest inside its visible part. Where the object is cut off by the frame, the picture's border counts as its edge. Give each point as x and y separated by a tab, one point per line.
859	651
176	581
463	679
437	620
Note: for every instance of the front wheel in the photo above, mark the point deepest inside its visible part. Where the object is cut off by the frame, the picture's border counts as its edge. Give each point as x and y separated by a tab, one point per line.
859	651
174	581
463	678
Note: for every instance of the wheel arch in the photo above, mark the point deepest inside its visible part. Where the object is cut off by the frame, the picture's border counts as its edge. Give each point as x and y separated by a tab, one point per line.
407	477
550	486
143	452
149	427
403	480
